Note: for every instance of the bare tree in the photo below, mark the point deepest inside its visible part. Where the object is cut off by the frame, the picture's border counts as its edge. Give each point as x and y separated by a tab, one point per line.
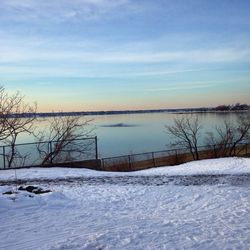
16	117
186	130
227	137
64	138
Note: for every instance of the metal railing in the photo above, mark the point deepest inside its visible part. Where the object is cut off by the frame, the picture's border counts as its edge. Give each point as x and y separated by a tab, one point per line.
47	152
170	157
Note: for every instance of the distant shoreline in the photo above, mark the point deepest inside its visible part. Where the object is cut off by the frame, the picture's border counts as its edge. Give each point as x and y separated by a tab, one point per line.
119	112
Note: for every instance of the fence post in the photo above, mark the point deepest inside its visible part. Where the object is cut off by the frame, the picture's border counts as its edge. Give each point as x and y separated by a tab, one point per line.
96	148
153	157
4	157
129	162
50	151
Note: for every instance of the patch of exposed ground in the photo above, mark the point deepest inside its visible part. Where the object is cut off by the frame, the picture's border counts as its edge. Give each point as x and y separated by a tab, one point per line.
154	180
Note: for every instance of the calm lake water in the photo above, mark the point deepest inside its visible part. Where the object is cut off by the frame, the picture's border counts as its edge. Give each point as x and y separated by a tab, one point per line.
136	133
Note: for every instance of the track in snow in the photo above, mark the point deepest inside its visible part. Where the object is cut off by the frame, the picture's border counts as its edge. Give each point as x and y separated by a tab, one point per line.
154	180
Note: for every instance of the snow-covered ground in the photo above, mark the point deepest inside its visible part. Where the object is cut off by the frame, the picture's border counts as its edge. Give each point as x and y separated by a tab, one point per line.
117	214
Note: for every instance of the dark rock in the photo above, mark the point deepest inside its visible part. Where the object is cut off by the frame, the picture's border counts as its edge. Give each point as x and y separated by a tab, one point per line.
31	188
34	189
41	191
8	193
22	188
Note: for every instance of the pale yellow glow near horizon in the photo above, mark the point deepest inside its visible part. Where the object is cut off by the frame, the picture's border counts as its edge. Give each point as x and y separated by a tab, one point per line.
109	106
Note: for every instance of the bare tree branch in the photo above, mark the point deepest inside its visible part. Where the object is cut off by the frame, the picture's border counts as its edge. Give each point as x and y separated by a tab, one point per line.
64	136
186	130
16	117
230	135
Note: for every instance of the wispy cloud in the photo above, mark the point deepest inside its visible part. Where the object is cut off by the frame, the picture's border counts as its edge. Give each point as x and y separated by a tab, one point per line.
16	54
86	72
197	85
217	55
42	57
183	87
63	10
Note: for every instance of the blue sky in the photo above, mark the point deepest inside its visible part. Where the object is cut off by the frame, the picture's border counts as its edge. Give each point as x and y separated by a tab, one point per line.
122	54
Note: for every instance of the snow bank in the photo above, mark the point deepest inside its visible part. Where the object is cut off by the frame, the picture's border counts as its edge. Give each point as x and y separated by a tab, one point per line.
232	165
204	167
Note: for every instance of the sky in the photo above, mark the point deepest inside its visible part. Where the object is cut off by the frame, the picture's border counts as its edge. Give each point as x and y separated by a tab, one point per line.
86	55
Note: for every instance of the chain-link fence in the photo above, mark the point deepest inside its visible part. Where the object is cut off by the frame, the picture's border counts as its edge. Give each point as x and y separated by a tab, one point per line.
85	149
171	157
48	152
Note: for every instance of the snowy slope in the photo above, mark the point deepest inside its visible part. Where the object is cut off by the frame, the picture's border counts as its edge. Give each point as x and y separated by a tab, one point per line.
206	167
121	216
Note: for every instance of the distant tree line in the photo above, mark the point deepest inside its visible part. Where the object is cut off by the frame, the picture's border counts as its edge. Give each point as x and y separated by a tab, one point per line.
234	107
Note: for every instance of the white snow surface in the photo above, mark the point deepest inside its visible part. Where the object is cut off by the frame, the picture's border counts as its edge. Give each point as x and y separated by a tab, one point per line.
115	216
206	167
